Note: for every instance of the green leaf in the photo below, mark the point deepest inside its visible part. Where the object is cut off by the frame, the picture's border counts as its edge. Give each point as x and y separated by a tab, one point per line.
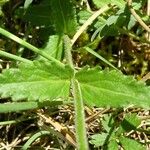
119	3
100	3
57	13
113	145
111	88
38	14
130	144
106	122
130	122
109	31
54	47
27	3
136	5
83	15
63	15
112	20
98	139
38	81
2	2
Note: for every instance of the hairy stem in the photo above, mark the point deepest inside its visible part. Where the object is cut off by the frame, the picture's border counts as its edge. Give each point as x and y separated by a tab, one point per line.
68	48
81	137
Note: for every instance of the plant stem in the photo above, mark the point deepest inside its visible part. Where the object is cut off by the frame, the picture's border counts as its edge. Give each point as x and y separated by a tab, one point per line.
29	46
22	106
127	32
81	137
137	17
100	57
33	138
10	122
68	48
5	54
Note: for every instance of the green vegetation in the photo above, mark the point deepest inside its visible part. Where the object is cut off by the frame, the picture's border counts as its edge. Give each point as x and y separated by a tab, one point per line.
74	72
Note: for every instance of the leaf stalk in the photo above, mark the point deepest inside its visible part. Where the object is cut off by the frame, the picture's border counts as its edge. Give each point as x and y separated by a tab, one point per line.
29	46
81	136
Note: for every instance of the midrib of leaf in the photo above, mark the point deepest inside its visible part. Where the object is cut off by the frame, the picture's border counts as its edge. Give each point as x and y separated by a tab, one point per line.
53	80
61	11
109	91
42	16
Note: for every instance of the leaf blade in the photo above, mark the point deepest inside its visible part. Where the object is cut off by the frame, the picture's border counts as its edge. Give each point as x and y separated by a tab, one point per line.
111	88
55	13
37	81
130	144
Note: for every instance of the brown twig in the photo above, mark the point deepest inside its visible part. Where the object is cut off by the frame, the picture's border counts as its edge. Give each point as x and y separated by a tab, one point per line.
95	115
65	133
148	14
137	17
146	77
89	22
